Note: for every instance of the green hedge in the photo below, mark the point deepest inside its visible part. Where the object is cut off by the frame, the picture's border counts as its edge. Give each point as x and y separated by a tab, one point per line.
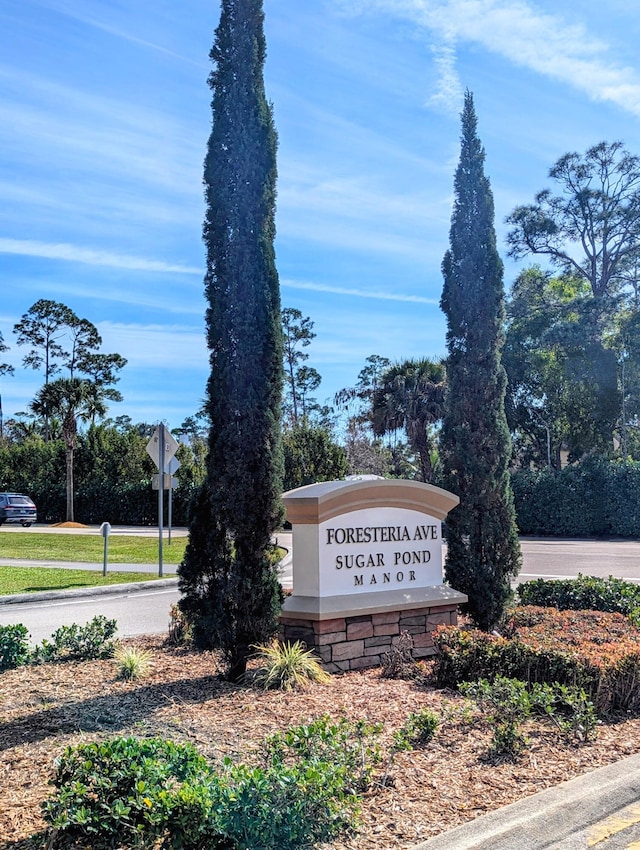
593	650
596	498
583	593
119	504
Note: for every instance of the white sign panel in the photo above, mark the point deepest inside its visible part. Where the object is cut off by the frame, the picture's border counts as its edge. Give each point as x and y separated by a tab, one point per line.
379	549
171	446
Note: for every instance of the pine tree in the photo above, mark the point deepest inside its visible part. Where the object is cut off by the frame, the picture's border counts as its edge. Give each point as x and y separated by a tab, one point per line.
483	548
228	580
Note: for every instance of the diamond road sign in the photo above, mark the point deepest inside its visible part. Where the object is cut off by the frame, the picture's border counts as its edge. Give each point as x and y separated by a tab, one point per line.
170	446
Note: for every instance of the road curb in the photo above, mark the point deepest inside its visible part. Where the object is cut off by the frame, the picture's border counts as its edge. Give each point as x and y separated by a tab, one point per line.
47	595
559	817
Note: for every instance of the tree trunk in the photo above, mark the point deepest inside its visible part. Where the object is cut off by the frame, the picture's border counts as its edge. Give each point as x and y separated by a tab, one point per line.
69	465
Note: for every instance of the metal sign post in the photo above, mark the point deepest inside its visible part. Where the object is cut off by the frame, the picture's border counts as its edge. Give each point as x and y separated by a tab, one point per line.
160	497
161	448
172	466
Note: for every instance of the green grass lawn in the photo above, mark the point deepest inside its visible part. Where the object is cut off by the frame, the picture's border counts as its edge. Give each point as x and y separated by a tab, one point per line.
123	549
33	579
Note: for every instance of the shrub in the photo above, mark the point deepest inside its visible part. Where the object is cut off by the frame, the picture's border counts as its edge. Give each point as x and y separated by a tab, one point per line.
287	666
14	646
507	705
583	593
306	791
180	630
132	792
156	793
348	749
417	730
566	707
79	643
596	651
595	497
399	662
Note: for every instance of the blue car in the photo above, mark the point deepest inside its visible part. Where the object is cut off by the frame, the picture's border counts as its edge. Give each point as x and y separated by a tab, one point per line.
17	508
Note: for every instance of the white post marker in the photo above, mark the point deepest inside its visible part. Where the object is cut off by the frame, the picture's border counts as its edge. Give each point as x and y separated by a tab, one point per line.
105	531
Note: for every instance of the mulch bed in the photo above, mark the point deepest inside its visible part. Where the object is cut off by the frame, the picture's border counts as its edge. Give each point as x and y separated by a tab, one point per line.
45	708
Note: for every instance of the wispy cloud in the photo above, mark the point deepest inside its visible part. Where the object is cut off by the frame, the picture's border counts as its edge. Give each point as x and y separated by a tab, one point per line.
168	347
357	293
85	131
362	212
448	93
91	257
71	11
518	31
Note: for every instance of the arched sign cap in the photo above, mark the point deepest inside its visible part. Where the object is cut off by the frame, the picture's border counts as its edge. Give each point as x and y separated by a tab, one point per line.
316	503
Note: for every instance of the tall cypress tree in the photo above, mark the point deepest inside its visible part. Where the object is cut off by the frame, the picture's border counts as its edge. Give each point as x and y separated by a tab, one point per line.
229	584
483	548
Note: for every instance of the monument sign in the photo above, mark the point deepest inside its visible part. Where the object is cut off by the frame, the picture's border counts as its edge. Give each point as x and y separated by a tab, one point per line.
367	560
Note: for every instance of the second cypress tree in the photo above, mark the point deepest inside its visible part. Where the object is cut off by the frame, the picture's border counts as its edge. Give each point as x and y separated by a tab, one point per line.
229	583
483	548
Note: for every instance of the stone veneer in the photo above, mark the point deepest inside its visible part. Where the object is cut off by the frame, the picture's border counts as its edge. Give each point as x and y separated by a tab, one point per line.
354	642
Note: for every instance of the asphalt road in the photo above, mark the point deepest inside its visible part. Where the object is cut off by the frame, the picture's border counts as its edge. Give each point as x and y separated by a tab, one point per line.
138	610
146	610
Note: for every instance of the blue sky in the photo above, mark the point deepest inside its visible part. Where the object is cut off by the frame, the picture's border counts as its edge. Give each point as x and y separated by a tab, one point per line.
104	121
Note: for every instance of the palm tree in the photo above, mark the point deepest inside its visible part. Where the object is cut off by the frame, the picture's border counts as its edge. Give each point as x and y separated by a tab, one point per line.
69	399
5	369
410	395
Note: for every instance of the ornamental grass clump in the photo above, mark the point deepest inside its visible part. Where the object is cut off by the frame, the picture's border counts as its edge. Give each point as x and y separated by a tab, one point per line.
133	663
287	666
596	651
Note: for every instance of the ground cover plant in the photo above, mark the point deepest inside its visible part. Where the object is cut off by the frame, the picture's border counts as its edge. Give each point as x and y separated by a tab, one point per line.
48	707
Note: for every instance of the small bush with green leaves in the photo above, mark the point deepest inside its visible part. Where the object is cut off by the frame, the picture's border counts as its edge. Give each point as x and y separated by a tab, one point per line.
288	666
14	646
132	792
308	789
79	643
569	708
417	731
348	748
508	703
151	792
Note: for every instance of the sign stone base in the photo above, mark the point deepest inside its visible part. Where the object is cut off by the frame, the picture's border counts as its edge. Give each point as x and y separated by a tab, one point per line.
351	632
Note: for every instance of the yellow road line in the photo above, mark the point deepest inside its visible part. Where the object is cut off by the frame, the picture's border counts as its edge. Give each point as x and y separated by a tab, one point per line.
615	824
